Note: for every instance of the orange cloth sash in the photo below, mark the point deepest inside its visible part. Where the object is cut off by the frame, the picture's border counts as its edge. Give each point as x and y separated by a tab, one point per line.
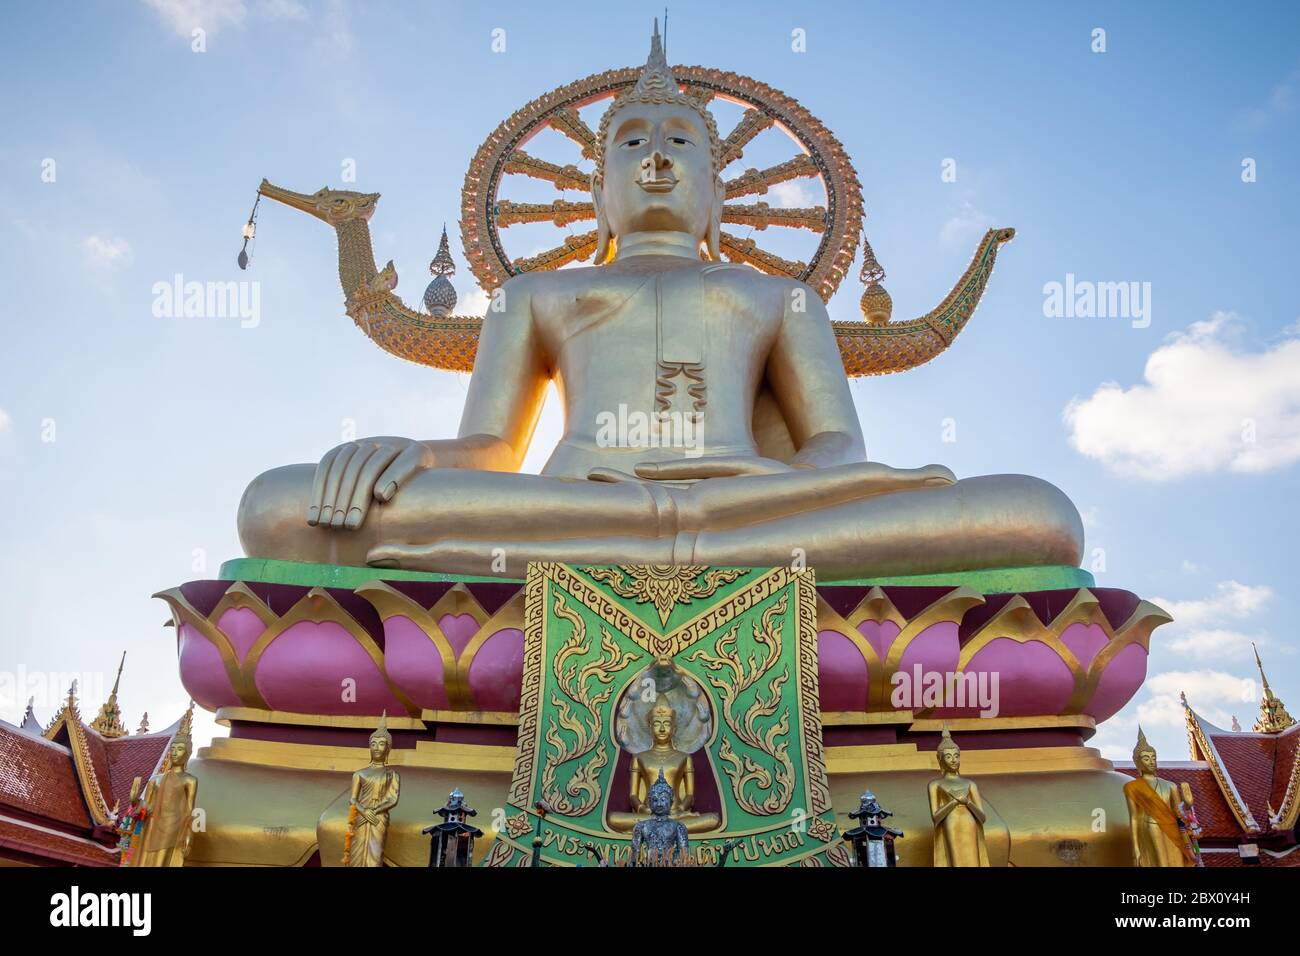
1145	796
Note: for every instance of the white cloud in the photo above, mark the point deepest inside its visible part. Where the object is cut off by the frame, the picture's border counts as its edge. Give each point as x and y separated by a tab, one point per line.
794	193
1201	627
6	422
1201	632
1215	695
966	226
107	251
1213	644
1190	567
1231	600
1205	405
473	302
183	16
283	10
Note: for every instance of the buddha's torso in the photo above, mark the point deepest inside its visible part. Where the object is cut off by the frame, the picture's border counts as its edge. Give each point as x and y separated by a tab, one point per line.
169	811
635	337
375	786
956	787
1168	793
673	763
661	833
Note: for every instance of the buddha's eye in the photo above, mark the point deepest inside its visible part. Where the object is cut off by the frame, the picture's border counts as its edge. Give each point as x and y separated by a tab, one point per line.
635	141
680	141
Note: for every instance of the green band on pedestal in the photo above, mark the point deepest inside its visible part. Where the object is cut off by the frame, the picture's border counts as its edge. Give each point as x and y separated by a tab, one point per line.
988	581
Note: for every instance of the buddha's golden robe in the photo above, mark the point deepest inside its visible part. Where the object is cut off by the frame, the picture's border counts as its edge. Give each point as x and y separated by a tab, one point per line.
1153	814
959	837
377	791
168	798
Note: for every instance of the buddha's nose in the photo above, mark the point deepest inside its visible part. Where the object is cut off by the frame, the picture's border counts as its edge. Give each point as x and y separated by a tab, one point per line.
656	161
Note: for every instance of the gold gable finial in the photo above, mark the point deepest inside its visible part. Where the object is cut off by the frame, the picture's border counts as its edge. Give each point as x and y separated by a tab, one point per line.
108	723
1273	718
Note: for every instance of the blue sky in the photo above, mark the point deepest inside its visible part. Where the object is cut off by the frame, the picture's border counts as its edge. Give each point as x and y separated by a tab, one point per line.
1117	166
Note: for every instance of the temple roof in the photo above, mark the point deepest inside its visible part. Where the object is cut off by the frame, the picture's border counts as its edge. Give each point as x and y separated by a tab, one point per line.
38	777
1245	785
61	788
32	839
1258	773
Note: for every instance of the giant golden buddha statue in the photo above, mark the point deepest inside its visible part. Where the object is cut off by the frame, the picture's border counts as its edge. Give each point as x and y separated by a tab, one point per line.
775	465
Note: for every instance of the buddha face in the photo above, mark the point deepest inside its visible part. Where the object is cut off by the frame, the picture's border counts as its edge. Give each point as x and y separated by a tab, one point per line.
379	745
1147	761
661	801
950	759
658	172
180	753
663	723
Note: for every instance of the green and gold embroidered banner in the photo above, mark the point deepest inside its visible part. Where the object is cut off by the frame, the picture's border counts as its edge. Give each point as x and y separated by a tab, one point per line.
707	676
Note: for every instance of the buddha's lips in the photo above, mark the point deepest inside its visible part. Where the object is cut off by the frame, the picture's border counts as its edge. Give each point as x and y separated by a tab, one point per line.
657	185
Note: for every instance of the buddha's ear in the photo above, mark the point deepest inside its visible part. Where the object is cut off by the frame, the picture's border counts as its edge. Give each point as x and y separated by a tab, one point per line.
602	224
712	243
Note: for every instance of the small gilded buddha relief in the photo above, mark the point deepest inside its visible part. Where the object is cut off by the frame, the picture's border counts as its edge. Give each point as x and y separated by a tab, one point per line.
664	721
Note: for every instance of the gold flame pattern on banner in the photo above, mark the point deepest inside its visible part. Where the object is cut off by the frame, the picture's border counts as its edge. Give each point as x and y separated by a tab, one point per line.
732	676
582	791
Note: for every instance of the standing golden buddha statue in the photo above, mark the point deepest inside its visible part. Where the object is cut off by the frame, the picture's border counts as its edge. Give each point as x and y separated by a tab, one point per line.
957	812
374	794
1155	824
168	804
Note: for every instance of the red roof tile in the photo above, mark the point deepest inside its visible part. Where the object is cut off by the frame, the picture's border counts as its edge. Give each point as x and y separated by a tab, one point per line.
33	840
1260	766
1284	765
38	777
131	757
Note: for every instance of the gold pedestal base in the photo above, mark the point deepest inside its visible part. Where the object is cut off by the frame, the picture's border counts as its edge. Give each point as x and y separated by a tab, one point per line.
278	804
262	815
1068	818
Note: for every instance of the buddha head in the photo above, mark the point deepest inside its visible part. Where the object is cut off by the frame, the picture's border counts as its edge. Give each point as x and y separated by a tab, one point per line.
949	753
179	751
663	723
381	741
657	163
1144	755
661	796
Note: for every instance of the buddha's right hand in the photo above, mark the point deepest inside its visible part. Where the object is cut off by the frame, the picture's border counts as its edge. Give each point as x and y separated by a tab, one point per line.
357	473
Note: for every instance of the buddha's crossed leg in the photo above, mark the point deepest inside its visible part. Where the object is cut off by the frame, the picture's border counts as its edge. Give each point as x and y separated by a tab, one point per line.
850	521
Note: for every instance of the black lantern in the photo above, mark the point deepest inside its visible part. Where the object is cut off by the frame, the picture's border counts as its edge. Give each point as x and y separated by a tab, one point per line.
452	840
873	841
